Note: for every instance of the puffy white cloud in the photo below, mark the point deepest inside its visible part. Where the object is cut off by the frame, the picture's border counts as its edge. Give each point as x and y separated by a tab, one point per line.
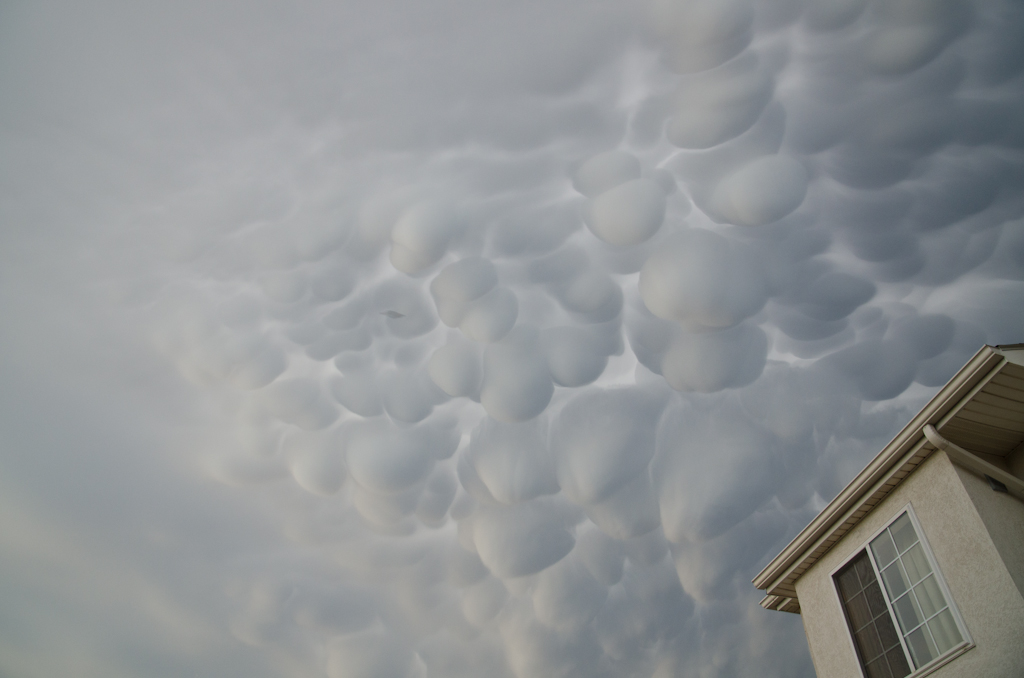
762	191
512	460
604	557
460	284
717	105
483	600
592	297
410	395
628	214
576	355
702	280
629	511
517	385
491	316
301	401
701	34
456	369
358	391
532	230
339	610
604	172
712	470
436	498
388	513
911	33
610	308
316	462
420	236
523	539
404	309
387	459
602	440
567	596
710	361
333	283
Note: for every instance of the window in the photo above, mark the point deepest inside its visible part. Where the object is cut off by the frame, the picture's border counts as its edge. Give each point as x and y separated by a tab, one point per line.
907	621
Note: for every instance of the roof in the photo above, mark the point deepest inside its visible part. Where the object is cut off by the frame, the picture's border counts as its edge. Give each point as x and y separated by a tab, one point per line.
977	418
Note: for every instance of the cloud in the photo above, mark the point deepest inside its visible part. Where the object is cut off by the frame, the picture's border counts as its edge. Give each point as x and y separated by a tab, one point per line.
520	540
702	280
602	440
512	461
420	236
628	214
517	384
716	105
370	654
475	339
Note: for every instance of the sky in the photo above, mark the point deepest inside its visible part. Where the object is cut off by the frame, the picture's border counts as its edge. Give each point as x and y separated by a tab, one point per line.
393	339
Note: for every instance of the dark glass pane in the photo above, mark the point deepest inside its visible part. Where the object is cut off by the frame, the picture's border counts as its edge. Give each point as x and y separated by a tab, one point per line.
887	632
872	627
848	583
870	646
898	662
864	570
857	609
876	603
878	669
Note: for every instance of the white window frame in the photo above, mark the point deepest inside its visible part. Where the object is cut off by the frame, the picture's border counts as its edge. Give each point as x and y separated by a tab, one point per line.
939	661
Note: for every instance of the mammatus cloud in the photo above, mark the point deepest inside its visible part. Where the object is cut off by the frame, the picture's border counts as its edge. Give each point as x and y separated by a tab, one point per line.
443	340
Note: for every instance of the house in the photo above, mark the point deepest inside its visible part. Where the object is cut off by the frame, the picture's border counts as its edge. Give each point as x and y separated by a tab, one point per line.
917	566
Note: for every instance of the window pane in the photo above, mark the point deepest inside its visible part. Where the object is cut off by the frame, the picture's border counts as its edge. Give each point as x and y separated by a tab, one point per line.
857	608
921	647
895	580
849	585
878	669
864	570
872	627
876	603
907	612
898	662
916	563
903	533
924	627
883	549
887	633
870	646
944	630
930	597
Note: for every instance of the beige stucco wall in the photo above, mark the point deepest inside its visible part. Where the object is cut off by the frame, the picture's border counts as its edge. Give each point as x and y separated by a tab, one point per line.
983	590
1003	515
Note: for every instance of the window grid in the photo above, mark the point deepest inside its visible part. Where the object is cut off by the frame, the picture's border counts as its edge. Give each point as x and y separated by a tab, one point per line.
919	624
878	643
915	597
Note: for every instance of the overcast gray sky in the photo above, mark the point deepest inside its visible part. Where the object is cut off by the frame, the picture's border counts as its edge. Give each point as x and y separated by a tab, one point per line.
392	339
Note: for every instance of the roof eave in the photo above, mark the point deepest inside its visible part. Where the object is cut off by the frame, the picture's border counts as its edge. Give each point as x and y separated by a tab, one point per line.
970	377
